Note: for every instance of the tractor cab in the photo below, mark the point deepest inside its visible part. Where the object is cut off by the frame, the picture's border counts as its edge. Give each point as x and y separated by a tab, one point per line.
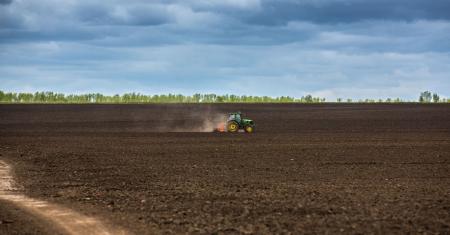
234	117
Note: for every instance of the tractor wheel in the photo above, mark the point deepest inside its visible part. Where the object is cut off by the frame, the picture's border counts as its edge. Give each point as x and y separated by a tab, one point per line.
232	126
249	129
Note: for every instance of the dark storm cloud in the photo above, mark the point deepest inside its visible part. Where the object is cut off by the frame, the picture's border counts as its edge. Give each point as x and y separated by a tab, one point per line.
328	24
10	21
345	11
18	36
5	2
277	47
141	15
268	12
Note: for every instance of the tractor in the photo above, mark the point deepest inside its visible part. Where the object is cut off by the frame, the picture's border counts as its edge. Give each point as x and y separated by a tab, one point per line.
235	123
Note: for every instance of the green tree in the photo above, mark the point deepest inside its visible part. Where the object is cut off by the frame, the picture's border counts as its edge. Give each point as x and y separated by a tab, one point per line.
425	97
308	99
436	98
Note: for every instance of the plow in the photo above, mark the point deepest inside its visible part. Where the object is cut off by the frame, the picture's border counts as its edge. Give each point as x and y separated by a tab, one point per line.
235	123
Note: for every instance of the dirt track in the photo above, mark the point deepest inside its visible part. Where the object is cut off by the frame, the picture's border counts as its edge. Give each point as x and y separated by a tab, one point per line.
308	168
61	219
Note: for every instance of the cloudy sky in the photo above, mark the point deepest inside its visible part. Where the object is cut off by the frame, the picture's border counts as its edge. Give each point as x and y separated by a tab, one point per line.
328	48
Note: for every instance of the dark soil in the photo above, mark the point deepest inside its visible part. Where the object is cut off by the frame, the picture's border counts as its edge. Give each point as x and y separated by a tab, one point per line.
15	221
331	168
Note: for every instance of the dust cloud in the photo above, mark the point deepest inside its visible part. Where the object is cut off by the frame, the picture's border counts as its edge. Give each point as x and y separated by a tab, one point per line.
177	119
202	122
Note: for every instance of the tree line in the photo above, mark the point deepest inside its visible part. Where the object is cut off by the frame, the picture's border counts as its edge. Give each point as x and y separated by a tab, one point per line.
54	97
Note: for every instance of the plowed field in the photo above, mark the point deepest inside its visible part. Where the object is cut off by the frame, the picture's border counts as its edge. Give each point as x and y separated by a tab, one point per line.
328	168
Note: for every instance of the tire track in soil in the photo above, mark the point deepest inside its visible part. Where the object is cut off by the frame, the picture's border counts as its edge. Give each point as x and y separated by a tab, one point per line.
71	222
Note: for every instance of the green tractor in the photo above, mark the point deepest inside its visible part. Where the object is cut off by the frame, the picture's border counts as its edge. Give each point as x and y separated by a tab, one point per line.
235	123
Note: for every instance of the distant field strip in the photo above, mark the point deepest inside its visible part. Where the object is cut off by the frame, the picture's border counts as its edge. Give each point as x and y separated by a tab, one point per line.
69	221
